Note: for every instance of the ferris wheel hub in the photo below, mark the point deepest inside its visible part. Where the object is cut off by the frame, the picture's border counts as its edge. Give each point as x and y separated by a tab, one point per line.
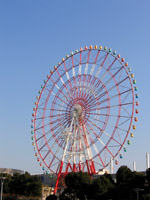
77	111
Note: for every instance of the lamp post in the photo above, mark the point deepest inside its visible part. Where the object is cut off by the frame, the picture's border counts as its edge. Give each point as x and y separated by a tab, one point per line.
2	182
137	190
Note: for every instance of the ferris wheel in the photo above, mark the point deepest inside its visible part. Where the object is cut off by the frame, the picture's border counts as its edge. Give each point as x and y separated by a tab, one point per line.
84	112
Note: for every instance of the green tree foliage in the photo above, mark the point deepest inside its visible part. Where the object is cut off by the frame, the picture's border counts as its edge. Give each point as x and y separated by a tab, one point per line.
124	174
80	185
148	176
101	186
76	180
51	197
128	182
146	196
137	180
77	185
6	182
23	184
147	185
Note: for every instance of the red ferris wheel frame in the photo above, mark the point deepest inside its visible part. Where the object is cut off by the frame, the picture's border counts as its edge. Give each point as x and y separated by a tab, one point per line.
84	112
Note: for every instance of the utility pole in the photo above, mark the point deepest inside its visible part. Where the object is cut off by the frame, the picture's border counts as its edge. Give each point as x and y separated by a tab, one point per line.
2	183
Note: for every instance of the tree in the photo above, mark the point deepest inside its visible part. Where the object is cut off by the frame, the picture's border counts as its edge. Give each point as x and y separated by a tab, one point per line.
128	183
51	197
76	180
147	188
102	184
148	176
6	182
137	180
76	185
80	185
123	175
108	176
23	184
101	187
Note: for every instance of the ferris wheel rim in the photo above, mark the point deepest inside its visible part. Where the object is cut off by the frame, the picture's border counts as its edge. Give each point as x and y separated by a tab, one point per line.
108	93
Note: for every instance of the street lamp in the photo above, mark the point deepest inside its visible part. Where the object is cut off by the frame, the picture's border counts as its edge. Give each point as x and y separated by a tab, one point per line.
137	190
2	182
